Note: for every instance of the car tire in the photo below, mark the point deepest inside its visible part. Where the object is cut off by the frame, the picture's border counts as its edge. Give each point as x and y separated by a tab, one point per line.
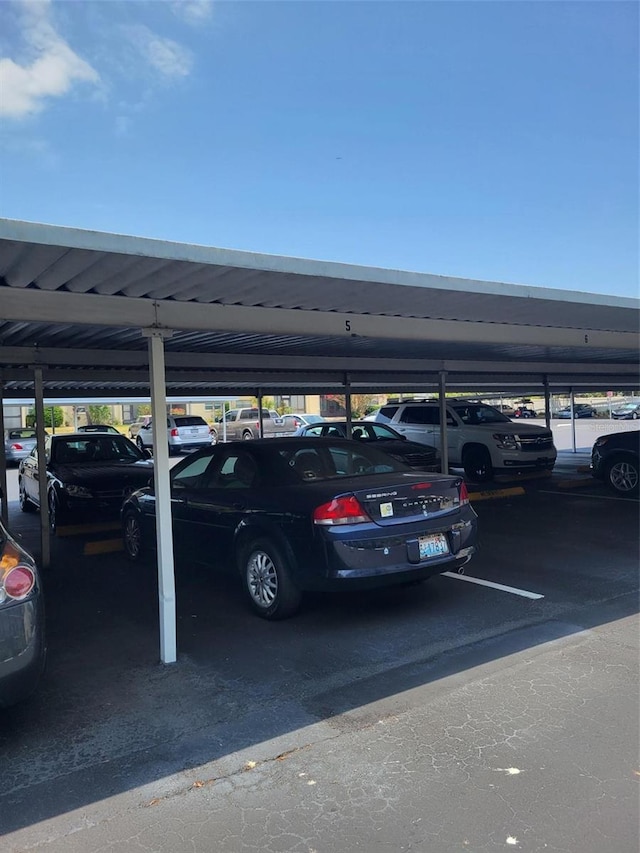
477	464
267	581
139	443
247	436
133	538
214	436
621	474
634	416
25	503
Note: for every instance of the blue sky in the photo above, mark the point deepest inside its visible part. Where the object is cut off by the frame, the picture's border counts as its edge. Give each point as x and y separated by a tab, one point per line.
490	140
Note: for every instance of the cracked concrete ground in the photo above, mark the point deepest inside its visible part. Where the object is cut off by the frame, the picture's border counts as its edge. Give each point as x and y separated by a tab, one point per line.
446	717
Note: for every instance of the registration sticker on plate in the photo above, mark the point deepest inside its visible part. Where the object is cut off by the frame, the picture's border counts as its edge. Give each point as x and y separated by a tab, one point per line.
435	545
386	510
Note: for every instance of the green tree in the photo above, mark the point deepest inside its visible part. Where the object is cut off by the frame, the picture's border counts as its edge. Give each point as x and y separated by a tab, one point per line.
53	417
99	414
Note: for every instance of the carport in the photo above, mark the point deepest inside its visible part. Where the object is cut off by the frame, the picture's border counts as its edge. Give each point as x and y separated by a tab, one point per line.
88	313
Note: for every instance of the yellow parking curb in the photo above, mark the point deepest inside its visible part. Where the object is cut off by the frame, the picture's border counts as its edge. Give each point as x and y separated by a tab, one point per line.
496	493
81	529
104	546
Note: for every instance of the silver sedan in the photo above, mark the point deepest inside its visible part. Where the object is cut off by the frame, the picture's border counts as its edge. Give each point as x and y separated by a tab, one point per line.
18	443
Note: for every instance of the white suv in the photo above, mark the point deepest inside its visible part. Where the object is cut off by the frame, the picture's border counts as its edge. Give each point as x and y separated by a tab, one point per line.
184	432
480	439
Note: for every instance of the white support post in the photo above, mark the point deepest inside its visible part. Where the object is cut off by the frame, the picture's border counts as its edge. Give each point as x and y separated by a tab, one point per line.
547	402
164	530
347	404
573	422
4	504
444	447
45	530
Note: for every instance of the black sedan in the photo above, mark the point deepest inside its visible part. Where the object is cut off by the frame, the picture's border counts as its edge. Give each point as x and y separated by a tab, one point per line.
88	476
22	637
614	459
580	410
628	412
302	514
423	457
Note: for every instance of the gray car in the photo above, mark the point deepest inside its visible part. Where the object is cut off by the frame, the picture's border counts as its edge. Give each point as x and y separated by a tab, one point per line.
22	628
18	444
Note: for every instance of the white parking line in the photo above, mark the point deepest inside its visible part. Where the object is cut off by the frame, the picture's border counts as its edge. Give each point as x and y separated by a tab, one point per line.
569	493
523	592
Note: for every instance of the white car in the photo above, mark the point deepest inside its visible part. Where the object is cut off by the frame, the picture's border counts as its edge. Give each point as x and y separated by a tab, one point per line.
480	439
184	432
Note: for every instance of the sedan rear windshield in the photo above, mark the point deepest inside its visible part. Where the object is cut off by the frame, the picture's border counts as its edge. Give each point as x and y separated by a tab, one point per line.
328	461
22	433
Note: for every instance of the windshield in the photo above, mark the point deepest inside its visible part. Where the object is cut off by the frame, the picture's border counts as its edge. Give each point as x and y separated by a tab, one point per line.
479	413
94	448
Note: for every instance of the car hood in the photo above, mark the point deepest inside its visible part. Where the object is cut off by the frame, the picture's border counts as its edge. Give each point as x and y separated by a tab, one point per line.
96	473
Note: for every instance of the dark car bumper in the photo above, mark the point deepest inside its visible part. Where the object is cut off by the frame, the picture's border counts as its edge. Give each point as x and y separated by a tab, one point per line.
22	650
360	560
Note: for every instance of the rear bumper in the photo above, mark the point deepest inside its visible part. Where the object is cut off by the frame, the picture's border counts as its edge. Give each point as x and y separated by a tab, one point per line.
374	559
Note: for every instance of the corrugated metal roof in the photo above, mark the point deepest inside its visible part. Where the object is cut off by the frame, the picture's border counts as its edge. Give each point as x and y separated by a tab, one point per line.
67	289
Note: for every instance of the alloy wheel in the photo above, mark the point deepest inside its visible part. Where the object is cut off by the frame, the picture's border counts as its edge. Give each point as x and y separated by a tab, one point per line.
262	579
132	536
623	477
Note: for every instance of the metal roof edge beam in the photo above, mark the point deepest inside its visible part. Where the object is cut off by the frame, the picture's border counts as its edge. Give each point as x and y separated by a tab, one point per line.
56	307
65	237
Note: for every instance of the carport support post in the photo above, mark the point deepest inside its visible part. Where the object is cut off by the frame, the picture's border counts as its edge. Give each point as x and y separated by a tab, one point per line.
4	512
45	530
573	421
347	404
260	424
164	532
444	447
547	403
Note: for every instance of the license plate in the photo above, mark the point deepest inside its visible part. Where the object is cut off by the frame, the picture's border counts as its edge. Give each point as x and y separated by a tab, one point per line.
435	545
194	431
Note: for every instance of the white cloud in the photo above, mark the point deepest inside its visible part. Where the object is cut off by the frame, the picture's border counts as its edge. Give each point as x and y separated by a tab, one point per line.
163	54
50	71
192	11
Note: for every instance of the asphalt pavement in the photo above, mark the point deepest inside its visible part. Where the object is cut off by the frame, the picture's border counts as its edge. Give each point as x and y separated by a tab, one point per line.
493	711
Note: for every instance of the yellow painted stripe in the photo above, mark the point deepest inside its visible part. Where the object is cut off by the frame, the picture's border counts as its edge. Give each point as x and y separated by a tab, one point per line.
102	546
496	493
82	529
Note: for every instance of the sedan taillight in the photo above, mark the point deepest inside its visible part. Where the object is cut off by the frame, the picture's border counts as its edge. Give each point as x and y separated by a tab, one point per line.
16	447
342	510
464	494
19	582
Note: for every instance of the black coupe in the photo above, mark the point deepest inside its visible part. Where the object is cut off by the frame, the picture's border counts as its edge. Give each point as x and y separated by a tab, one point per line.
297	514
88	476
423	457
